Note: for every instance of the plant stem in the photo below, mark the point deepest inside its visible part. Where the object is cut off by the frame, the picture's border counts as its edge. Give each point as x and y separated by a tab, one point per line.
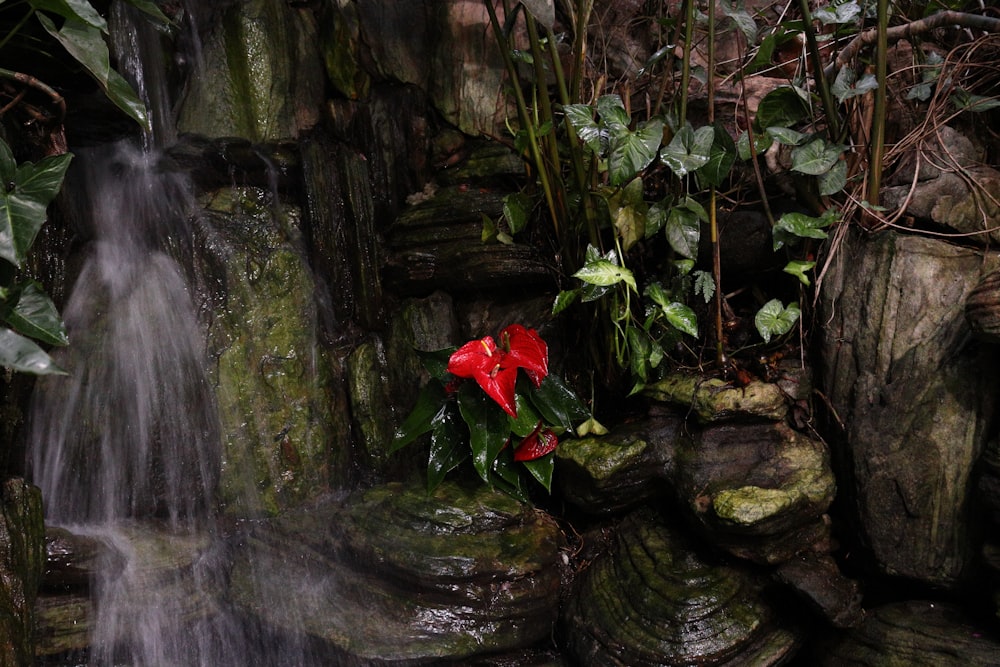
525	118
686	64
879	113
31	81
713	223
819	75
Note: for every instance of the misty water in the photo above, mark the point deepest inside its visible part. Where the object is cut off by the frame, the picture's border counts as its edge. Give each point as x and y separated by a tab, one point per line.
126	447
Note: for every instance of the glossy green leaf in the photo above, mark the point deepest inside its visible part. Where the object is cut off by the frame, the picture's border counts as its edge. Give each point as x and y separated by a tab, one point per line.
506	476
527	417
488	427
73	10
436	363
631	152
722	157
557	403
24	355
541	469
604	273
683	231
516	207
563	300
682	318
581	118
153	14
790	227
762	141
23	207
786	136
742	18
656	217
419	421
448	445
86	44
837	13
773	319
846	85
689	150
834	180
798	268
611	111
639	348
782	107
816	158
36	316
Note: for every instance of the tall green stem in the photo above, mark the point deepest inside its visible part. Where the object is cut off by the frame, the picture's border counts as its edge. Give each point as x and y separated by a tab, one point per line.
713	222
525	118
879	113
825	94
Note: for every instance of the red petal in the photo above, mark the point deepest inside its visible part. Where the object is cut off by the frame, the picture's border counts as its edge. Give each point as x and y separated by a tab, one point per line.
536	445
526	349
499	385
476	356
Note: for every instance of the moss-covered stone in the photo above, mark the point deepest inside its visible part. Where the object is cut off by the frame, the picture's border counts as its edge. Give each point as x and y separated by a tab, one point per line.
712	399
272	375
261	76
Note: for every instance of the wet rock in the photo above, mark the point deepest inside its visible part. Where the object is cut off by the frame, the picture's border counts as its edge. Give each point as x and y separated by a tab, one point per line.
713	399
22	556
606	474
437	244
817	578
913	633
651	599
271	374
71	560
982	308
260	77
760	491
914	395
393	575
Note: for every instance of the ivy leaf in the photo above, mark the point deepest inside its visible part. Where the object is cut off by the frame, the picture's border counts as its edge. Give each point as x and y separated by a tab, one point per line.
761	140
488	428
604	273
786	136
966	101
773	319
817	157
798	269
631	152
838	13
722	157
689	150
742	18
656	217
792	226
834	180
683	231
682	318
563	300
515	211
845	85
581	118
782	107
24	355
612	111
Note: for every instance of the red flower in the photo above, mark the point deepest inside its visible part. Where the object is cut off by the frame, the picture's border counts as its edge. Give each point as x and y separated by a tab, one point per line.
528	350
495	368
539	443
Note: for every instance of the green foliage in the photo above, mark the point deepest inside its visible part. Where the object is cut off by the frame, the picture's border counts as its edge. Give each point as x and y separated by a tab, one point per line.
465	421
81	30
28	188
